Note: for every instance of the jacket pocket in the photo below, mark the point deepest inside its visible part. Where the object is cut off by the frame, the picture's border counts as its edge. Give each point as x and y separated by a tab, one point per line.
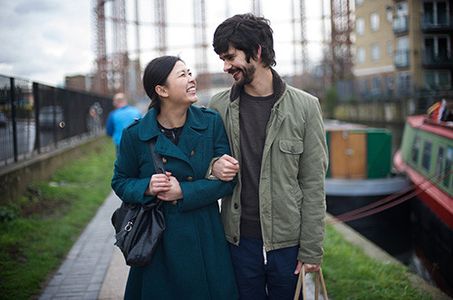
291	146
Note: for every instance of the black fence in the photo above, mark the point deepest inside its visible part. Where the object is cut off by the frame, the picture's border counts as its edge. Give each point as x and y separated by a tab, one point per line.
36	118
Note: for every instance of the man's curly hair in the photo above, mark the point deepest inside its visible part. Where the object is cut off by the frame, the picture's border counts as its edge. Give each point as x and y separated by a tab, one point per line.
246	32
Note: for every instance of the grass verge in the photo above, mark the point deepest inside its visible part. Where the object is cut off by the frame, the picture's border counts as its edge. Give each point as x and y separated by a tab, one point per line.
351	274
40	228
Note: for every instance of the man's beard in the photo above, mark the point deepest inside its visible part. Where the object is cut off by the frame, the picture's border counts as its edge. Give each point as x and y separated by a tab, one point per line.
247	74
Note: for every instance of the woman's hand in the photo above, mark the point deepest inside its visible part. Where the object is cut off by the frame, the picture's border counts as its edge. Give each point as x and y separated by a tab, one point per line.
225	168
159	183
173	193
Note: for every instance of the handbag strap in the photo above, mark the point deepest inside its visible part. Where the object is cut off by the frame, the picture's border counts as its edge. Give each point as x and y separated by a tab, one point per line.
158	164
319	279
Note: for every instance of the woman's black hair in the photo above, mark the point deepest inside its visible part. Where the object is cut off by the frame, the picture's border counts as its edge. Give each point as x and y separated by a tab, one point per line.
156	73
246	32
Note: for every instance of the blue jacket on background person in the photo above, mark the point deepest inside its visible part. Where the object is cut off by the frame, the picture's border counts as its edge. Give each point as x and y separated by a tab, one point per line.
120	118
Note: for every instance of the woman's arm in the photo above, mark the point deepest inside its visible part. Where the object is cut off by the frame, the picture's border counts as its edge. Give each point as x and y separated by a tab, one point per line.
125	182
202	192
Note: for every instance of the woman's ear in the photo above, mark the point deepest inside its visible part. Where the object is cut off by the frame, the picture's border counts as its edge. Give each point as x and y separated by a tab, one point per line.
161	91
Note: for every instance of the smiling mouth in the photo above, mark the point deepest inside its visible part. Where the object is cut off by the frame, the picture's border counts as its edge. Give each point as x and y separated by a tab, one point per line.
191	89
235	73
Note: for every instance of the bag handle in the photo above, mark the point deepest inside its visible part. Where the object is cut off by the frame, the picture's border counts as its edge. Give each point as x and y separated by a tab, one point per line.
159	165
319	279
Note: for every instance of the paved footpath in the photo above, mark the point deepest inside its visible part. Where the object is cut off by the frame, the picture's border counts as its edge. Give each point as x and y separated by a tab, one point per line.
82	275
95	268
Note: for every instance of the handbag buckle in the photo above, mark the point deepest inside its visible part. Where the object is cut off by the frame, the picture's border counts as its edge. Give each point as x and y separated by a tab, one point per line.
128	226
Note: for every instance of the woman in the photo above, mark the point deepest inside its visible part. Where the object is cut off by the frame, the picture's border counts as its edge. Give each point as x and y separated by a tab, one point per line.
192	260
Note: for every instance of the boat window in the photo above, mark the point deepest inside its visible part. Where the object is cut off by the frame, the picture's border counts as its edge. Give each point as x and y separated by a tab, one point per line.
426	159
447	170
415	149
439	164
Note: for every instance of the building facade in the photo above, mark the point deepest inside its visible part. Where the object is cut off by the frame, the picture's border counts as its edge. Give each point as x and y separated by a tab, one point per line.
403	50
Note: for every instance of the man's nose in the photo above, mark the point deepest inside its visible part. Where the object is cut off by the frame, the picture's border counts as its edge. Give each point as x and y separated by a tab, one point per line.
226	66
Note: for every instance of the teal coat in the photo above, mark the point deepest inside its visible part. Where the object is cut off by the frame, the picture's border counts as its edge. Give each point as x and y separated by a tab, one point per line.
192	260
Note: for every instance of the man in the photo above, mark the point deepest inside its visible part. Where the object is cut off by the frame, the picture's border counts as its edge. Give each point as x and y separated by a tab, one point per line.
274	221
120	118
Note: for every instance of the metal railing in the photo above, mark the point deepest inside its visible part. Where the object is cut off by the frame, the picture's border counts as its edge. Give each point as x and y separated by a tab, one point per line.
37	118
430	24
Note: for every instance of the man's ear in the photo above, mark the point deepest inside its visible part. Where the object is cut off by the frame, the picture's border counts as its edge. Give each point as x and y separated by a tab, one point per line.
161	91
258	53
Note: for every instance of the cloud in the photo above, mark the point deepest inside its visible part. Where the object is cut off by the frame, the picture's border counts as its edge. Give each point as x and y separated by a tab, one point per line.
46	39
40	6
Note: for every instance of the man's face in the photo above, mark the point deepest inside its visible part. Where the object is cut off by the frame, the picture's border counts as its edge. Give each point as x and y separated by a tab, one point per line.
235	63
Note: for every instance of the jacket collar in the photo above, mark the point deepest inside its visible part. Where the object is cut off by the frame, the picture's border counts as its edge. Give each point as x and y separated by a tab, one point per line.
149	129
188	140
277	83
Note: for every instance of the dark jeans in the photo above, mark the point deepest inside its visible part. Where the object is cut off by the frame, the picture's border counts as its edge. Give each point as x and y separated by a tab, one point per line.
256	280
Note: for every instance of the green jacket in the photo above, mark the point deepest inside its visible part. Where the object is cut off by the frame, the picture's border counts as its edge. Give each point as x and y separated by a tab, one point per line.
291	190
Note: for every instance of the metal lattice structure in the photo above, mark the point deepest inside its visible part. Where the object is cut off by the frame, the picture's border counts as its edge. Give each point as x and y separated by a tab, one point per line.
160	15
303	38
201	44
341	44
300	57
100	84
119	57
256	7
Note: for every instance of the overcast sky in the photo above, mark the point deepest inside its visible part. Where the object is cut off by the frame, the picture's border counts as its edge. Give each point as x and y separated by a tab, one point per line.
44	40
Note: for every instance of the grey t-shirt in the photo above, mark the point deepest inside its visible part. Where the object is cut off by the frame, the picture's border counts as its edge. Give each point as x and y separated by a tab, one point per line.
253	117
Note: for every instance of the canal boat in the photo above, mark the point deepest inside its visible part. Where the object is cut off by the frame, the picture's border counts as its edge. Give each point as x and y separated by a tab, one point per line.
360	178
426	157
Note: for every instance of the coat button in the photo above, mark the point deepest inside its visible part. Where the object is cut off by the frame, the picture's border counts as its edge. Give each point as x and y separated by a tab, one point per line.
189	178
164	160
236	206
192	153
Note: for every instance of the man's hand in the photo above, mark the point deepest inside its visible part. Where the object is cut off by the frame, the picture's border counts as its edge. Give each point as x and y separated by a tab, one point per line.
225	168
308	268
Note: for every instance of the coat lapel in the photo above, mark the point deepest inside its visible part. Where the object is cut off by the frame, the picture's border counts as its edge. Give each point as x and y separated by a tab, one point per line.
190	135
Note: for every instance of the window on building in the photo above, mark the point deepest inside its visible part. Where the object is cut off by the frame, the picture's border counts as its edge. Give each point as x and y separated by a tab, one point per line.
376	86
363	87
374	21
402	51
361	55
437	47
389	48
437	79
360	26
389	14
402	9
403	83
426	159
389	85
375	52
435	12
415	150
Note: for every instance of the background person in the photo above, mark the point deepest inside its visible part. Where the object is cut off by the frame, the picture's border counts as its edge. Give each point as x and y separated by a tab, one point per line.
274	220
192	260
120	118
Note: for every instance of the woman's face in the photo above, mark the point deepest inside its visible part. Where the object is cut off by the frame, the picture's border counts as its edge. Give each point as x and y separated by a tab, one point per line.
180	85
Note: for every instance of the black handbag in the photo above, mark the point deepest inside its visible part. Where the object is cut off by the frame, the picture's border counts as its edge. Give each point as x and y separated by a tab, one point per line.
139	227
